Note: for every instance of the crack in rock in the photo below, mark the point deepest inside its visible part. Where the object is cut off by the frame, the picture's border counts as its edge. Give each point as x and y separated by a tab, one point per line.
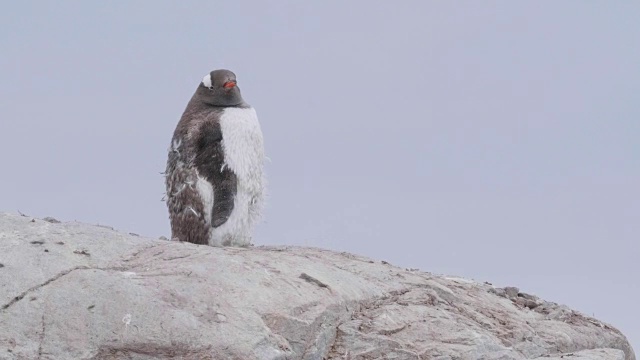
68	271
176	350
134	255
33	288
56	277
42	334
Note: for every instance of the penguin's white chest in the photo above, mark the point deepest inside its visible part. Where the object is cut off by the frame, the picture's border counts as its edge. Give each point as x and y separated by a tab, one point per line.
244	155
243	146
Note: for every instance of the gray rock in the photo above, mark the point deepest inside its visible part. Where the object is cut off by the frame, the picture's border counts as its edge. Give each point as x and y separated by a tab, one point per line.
511	292
528	296
130	297
594	354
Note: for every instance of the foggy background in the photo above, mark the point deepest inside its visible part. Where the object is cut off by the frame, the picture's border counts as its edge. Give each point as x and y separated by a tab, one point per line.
498	141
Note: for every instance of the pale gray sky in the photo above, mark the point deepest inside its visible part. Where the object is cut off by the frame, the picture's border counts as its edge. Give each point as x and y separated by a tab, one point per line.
493	140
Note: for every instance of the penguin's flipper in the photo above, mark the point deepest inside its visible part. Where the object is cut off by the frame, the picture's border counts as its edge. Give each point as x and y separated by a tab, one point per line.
225	192
210	164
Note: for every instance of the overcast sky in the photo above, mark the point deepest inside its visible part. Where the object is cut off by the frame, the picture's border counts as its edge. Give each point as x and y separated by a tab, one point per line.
498	141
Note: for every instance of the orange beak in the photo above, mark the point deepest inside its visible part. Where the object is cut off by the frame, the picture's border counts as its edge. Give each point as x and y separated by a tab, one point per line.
229	84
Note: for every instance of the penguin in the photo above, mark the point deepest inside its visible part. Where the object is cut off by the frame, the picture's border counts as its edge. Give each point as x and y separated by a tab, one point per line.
215	168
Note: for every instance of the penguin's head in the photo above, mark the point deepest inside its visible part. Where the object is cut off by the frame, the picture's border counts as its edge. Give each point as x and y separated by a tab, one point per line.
220	88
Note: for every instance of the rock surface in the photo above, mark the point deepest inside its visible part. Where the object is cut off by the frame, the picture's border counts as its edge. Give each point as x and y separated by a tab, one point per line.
77	291
604	354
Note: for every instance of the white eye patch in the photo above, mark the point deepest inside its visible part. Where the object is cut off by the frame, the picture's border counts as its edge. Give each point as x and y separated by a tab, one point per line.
206	81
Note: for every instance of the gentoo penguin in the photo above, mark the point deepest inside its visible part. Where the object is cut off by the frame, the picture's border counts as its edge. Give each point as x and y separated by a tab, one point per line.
214	176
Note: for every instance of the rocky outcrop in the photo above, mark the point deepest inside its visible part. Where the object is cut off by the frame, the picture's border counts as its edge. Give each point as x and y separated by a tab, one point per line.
76	291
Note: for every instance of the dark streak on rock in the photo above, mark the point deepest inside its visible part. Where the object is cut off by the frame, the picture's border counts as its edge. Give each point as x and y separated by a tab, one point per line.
392	331
42	332
37	242
105	226
176	257
313	280
146	350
